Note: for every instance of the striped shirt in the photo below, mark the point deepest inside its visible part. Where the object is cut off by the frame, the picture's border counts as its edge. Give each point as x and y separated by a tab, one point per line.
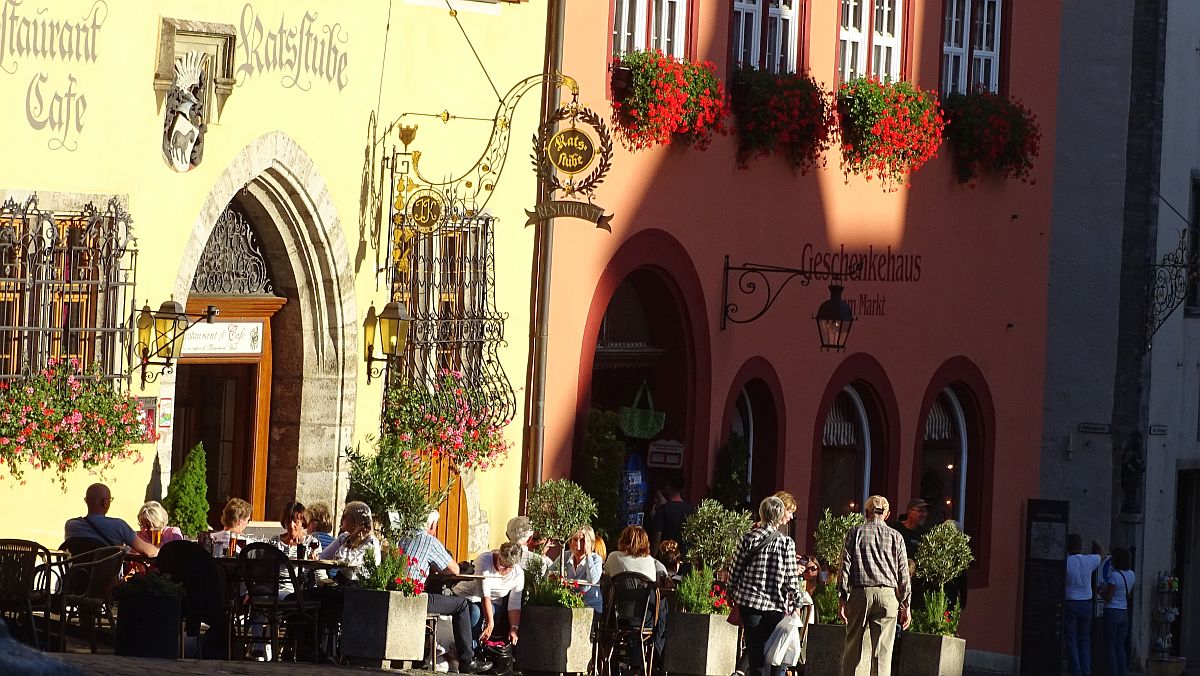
768	580
874	556
427	550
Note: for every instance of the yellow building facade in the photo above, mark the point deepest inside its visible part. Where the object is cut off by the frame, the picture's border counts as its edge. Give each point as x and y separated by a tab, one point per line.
256	147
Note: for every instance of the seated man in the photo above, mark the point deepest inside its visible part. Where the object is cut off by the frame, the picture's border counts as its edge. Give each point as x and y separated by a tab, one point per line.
430	554
496	597
102	528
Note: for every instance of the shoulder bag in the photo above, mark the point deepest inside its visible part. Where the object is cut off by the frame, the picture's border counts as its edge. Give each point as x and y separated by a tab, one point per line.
735	617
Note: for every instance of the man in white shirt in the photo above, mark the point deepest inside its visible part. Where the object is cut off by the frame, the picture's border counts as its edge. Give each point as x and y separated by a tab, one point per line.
1077	610
500	590
1118	588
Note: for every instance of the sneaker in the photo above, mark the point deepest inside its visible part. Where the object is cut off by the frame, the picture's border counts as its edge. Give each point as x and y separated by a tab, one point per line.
475	665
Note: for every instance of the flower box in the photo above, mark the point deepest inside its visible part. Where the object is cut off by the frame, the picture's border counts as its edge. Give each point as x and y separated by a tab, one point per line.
667	99
378	626
785	114
889	129
991	134
700	644
555	640
931	655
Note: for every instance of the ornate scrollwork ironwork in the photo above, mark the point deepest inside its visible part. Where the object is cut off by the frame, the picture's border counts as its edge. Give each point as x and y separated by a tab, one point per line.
447	283
232	262
1171	280
763	284
67	281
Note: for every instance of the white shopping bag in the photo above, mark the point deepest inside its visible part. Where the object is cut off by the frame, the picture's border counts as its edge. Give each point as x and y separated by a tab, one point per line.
785	648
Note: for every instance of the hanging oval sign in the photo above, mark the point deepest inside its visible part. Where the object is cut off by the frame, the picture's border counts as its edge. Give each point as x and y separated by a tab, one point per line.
426	210
570	151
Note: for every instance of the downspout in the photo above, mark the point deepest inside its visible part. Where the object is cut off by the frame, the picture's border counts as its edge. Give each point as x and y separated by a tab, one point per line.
534	441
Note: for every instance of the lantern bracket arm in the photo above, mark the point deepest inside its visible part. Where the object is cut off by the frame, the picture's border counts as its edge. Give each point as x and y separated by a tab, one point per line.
762	285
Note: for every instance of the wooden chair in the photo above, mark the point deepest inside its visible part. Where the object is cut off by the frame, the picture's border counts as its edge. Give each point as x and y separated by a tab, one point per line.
86	594
24	586
628	630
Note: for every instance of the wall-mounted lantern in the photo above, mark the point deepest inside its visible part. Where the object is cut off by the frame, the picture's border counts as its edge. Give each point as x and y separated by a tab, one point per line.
392	326
834	319
160	336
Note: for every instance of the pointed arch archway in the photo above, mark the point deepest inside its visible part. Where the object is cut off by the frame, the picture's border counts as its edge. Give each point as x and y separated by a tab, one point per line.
277	185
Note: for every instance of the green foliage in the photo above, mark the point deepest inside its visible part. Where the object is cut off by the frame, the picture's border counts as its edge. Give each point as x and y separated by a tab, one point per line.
830	537
934	617
549	589
991	133
826	600
187	496
697	594
599	466
558	508
394	479
450	421
731	476
788	114
889	129
944	553
390	574
712	533
148	584
668	97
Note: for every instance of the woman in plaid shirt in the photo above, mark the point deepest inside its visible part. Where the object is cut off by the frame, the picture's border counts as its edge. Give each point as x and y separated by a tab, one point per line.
765	582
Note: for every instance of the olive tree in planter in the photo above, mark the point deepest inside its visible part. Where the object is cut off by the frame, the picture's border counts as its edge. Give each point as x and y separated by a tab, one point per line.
699	640
554	615
558	508
827	638
384	617
931	647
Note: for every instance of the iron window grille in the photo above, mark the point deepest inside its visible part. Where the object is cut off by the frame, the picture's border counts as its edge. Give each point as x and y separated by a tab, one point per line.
67	282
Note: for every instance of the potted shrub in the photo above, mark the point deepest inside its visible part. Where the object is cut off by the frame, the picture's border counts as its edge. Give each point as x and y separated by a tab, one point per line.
384	617
668	99
149	612
557	509
557	622
931	646
187	496
699	621
394	482
785	114
712	533
827	637
992	134
889	129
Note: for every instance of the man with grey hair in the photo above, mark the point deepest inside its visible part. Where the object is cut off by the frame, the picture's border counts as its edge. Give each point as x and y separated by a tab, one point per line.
519	531
765	583
496	595
873	589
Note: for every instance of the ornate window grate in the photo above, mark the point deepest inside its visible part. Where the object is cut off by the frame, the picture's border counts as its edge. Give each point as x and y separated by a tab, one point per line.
66	287
232	263
446	279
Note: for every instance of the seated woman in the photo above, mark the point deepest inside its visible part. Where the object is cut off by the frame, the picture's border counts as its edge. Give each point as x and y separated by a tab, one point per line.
579	562
633	556
499	591
295	542
228	541
356	539
154	529
671	558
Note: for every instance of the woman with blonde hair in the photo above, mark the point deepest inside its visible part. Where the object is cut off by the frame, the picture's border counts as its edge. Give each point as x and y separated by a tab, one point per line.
580	562
357	538
152	519
234	519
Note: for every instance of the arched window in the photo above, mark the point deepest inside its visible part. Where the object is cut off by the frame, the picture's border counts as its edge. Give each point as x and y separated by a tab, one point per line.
846	452
945	459
755	419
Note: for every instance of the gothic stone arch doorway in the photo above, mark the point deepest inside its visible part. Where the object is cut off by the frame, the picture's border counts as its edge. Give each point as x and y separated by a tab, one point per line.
314	360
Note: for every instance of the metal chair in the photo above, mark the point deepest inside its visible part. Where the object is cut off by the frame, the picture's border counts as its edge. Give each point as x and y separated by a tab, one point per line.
204	602
86	593
24	586
264	568
628	630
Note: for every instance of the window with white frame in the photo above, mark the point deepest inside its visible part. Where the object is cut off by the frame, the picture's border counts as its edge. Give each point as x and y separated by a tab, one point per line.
971	47
766	39
650	24
870	39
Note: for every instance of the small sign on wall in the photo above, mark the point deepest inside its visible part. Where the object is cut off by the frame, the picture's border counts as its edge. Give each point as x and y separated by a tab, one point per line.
224	338
665	453
166	411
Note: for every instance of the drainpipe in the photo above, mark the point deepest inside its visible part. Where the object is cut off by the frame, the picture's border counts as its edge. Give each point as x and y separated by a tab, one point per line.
534	441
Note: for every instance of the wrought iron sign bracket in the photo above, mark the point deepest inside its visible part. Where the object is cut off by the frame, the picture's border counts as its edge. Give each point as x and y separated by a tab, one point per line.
1171	280
754	280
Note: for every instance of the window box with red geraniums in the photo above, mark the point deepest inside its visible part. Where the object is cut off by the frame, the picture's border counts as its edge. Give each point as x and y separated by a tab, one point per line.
788	114
991	133
66	417
668	99
889	129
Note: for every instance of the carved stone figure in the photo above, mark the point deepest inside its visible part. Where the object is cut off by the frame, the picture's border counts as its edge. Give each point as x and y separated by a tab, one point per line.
1133	467
185	123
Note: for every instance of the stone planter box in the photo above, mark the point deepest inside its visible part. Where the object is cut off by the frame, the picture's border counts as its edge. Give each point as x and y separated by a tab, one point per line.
148	626
1165	666
555	640
825	645
700	645
931	655
378	626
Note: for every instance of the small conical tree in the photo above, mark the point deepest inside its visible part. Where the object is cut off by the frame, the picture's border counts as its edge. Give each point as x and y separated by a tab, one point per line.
187	496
